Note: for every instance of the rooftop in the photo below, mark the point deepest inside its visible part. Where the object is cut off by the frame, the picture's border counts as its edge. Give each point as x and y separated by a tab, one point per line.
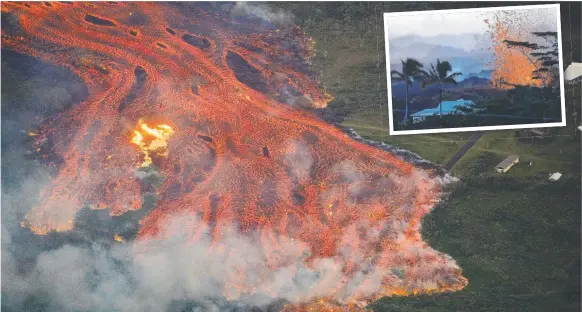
508	161
573	71
448	107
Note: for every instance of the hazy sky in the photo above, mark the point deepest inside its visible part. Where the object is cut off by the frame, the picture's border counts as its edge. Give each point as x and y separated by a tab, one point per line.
451	23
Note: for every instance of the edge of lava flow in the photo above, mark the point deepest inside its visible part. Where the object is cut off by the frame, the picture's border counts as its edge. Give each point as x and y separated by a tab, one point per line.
244	155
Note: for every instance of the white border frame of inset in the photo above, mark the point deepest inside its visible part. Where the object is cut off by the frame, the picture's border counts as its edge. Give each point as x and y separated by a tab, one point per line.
465	129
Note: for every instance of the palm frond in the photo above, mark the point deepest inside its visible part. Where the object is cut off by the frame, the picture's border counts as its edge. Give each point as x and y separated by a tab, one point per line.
395	75
448	80
443	68
411	66
453	75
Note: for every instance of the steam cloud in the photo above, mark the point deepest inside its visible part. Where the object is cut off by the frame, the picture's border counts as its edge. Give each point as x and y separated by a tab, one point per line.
263	12
154	274
117	279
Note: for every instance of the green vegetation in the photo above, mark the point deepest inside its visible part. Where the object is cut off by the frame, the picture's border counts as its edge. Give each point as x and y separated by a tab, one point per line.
440	74
523	101
411	71
546	56
515	235
438	148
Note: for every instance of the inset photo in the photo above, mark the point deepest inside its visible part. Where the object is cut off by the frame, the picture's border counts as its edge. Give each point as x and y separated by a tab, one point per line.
474	69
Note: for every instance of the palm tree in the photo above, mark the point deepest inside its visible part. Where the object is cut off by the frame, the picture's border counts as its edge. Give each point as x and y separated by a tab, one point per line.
411	71
440	75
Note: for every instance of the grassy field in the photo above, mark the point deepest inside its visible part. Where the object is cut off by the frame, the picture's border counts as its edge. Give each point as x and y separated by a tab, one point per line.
351	59
556	155
438	148
516	236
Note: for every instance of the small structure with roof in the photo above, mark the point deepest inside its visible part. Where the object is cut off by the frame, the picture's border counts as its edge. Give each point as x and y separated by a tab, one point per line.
448	108
555	176
573	74
507	163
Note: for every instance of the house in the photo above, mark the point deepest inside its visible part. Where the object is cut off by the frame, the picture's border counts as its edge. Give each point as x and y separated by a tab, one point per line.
506	164
448	108
573	74
555	176
538	132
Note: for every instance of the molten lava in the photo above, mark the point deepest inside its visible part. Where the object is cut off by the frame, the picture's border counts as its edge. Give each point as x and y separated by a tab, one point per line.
245	157
152	140
511	65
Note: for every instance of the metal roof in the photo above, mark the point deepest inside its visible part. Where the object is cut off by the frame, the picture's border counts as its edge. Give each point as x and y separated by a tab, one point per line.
425	112
508	161
447	106
555	176
573	71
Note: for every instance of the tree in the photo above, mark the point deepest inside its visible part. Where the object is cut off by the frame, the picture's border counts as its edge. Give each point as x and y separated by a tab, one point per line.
440	75
411	71
544	58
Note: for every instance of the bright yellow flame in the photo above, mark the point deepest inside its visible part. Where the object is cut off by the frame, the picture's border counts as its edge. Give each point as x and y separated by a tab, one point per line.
151	139
32	134
118	238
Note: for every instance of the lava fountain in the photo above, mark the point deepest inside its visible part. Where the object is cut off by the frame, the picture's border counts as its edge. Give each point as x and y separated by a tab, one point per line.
222	109
512	65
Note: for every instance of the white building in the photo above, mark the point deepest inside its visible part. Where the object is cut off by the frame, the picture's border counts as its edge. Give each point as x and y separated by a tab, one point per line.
507	163
573	74
555	176
448	108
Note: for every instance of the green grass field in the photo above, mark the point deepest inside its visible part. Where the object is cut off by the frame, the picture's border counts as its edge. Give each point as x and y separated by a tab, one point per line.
556	155
515	235
438	148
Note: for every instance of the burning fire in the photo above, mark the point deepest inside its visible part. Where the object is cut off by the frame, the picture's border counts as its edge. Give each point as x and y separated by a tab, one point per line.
118	238
246	159
151	140
510	65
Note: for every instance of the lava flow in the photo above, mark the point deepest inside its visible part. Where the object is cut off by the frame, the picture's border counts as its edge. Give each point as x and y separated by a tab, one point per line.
222	108
512	65
151	140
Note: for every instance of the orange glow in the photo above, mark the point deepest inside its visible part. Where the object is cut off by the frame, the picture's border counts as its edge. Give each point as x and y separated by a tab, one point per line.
150	140
237	157
511	65
118	238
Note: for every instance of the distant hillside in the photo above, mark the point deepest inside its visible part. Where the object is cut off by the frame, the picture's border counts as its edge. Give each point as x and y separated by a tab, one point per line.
399	89
467	53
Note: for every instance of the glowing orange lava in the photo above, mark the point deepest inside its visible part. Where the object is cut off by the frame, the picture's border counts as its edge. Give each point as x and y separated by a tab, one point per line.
511	65
151	140
235	156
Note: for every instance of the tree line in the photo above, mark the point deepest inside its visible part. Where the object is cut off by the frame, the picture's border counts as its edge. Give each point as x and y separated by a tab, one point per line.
412	70
543	56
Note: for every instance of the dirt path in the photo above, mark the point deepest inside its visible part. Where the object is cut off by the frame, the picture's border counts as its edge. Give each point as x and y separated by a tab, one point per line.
461	152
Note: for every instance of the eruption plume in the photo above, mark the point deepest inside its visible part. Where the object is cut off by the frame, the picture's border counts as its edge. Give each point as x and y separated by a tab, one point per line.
286	205
514	65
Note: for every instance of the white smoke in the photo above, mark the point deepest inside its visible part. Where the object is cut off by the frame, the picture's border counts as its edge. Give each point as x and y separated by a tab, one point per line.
299	159
262	11
152	274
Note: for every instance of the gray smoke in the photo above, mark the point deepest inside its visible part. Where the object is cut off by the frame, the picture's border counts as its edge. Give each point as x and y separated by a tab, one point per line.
263	12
